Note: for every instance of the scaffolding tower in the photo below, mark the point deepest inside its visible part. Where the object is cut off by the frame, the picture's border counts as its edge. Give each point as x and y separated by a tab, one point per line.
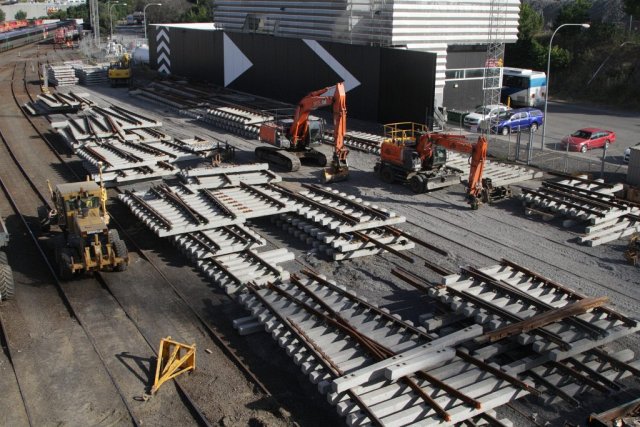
492	83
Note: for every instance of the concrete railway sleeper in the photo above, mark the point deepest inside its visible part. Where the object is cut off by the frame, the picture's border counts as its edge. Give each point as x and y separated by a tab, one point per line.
369	344
190	403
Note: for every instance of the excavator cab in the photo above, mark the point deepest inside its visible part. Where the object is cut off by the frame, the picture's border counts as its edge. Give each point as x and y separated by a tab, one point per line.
437	160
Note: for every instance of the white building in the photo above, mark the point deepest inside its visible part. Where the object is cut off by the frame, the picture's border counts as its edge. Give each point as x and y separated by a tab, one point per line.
448	28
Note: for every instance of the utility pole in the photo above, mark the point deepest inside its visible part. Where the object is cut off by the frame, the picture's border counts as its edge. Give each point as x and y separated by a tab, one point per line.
95	21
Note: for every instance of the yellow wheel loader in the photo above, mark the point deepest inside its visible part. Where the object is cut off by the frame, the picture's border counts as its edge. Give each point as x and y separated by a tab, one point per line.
119	72
86	243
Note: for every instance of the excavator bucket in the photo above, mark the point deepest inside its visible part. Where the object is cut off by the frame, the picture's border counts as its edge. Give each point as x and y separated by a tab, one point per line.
174	359
335	174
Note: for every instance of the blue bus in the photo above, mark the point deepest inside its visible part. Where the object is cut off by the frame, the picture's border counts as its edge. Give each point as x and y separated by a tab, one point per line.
522	87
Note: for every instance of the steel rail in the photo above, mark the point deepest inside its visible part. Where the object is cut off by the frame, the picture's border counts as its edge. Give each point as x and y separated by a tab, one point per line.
65	299
216	336
310	346
4	342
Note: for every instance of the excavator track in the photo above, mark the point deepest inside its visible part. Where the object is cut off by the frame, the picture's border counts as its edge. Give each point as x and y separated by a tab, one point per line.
277	156
316	157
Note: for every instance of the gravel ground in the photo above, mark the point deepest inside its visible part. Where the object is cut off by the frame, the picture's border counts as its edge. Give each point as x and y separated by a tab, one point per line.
478	238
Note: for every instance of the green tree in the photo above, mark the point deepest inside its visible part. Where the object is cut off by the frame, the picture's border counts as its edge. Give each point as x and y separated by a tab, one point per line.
530	22
632	7
2	15
573	12
200	12
21	14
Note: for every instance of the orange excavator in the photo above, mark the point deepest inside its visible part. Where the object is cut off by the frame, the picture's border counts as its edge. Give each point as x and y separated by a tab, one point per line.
291	140
413	155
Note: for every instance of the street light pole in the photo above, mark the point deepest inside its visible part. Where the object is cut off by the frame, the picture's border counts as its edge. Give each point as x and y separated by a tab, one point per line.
144	17
546	95
115	3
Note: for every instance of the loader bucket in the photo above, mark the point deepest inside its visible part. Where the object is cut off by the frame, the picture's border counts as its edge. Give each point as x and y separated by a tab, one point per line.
333	174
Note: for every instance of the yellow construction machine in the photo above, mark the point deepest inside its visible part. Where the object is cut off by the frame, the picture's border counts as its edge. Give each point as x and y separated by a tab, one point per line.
87	244
120	71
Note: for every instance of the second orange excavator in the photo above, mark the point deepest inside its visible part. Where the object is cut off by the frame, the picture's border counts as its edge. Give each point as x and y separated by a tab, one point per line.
292	140
413	155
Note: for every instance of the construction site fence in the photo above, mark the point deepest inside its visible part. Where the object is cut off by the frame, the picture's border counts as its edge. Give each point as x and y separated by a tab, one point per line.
526	148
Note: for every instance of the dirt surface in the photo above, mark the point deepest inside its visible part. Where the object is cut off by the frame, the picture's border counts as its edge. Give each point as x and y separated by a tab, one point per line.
478	238
161	294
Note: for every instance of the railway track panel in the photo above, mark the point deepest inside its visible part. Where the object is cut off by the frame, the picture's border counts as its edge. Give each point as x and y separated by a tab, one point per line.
213	376
51	350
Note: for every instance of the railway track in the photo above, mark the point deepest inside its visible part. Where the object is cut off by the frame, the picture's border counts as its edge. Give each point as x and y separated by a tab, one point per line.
457	242
77	173
101	283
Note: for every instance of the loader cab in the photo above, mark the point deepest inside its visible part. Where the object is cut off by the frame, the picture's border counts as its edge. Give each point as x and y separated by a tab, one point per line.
76	201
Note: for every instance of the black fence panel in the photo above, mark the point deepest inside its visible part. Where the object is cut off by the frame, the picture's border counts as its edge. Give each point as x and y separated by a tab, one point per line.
382	84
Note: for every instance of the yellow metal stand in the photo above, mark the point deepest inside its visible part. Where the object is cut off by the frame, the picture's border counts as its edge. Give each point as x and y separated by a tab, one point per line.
174	358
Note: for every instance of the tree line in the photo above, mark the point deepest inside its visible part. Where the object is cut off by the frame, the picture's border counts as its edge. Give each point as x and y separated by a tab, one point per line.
600	64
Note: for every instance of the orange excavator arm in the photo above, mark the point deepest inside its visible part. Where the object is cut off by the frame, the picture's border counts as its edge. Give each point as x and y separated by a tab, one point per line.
461	144
312	101
339	122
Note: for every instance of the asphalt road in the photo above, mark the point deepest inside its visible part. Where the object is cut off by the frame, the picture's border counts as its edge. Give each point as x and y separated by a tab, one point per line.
564	118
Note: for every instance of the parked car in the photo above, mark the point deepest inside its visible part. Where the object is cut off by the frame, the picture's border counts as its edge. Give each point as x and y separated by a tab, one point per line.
472	120
588	138
627	153
517	120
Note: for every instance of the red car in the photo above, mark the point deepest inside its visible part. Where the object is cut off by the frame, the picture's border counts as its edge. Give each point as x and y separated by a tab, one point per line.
588	138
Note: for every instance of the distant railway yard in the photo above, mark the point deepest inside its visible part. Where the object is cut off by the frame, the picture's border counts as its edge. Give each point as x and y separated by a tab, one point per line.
361	302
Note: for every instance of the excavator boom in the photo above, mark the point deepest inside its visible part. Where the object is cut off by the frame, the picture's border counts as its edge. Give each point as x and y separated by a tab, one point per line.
339	169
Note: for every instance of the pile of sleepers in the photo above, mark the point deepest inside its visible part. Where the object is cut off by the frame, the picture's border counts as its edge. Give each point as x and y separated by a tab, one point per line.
509	333
587	202
89	75
62	75
58	103
208	201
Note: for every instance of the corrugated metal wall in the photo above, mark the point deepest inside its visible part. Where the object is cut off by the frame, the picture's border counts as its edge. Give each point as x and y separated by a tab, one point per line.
383	84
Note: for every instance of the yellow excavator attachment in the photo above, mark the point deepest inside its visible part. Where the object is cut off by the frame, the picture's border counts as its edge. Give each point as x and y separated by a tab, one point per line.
174	358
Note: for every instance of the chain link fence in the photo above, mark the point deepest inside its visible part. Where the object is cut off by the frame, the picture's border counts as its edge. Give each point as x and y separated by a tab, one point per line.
526	148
